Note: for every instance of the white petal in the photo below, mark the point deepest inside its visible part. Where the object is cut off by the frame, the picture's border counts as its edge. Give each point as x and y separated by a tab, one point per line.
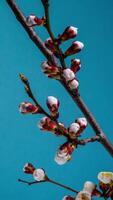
39	174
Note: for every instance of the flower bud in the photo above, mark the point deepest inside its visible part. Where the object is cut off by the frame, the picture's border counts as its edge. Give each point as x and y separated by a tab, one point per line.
64	153
69	32
105	177
68	74
74	130
46	124
73	85
82	121
75	65
50	45
39	175
26	108
53	104
50	70
32	20
28	168
83	195
68	198
89	187
74	48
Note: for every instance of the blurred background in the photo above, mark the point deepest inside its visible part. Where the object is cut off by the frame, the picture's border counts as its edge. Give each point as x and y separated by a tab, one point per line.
20	139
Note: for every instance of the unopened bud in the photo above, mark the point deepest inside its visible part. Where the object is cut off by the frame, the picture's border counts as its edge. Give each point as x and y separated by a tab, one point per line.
74	48
69	32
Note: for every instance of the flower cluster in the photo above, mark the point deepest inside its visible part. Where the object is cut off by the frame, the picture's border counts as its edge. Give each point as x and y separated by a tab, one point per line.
50	70
38	174
69	33
90	189
33	20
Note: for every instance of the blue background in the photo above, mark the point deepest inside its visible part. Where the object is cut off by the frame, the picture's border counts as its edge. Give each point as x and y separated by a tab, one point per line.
20	139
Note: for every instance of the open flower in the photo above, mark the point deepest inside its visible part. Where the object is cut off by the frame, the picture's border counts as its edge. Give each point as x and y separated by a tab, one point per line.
69	32
105	177
68	74
26	108
64	153
46	124
53	104
75	65
68	198
28	168
39	175
74	48
50	70
32	20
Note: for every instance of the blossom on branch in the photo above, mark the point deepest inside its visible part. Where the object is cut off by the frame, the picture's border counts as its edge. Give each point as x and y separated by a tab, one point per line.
51	45
73	84
46	124
53	105
38	174
83	195
75	65
64	153
28	168
74	48
32	20
69	32
68	74
26	108
50	70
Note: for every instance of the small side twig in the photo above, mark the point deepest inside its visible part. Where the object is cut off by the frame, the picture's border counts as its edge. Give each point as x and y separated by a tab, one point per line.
50	181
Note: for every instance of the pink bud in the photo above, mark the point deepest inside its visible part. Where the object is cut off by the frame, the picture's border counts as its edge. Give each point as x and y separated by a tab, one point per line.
32	20
74	48
68	74
47	124
50	45
53	104
50	70
26	108
75	65
73	84
69	32
68	198
74	130
82	122
28	168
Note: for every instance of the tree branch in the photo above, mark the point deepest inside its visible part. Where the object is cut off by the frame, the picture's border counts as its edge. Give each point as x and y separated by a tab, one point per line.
75	96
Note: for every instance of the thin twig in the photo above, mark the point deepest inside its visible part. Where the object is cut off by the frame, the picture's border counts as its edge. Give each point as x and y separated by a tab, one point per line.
76	98
87	140
50	181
